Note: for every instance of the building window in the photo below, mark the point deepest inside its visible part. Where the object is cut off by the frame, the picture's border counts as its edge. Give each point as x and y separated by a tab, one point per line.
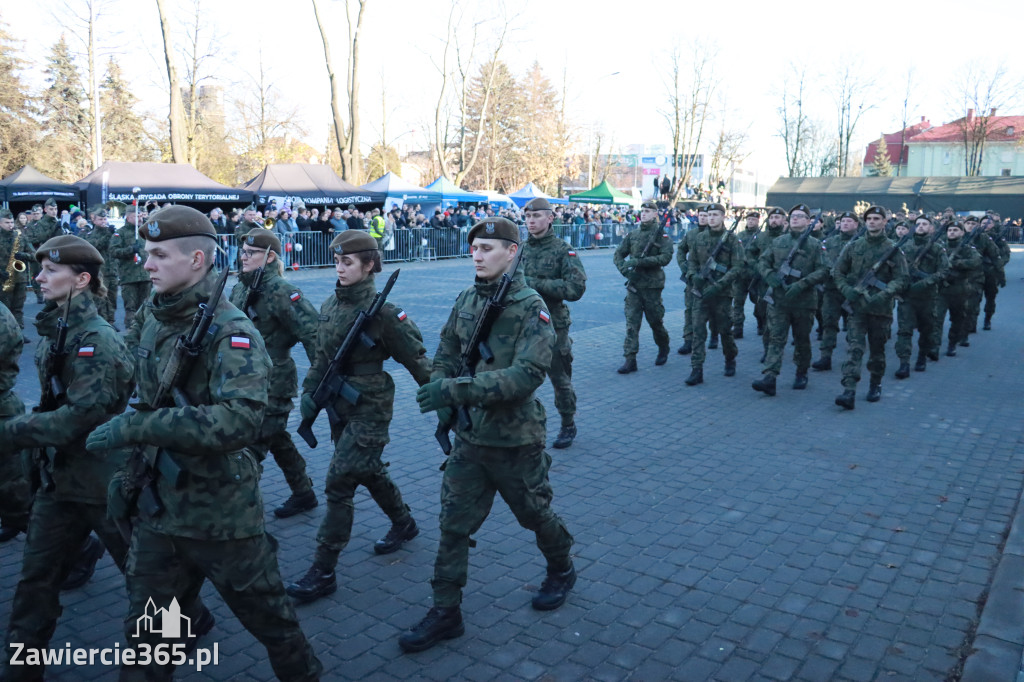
1006	172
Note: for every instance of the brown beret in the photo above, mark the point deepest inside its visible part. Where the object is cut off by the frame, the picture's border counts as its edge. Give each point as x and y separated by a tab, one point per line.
752	214
650	203
494	228
876	210
175	222
776	211
68	249
970	218
537	204
801	207
353	241
263	238
848	214
715	207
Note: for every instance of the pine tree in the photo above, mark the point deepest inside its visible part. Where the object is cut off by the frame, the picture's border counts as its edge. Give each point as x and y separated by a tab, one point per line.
18	129
66	148
124	137
882	165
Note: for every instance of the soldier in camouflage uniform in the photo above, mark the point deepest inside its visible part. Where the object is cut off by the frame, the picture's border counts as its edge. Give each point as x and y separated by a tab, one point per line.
15	495
14	284
872	308
682	251
964	263
71	501
362	431
712	298
247	225
794	298
641	258
993	261
831	298
927	267
742	282
129	251
100	237
283	317
45	227
553	270
209	523
776	226
503	450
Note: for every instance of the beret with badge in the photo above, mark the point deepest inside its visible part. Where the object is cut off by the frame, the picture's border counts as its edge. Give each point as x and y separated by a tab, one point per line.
175	222
68	249
650	204
494	228
537	204
262	238
801	207
776	211
353	241
715	207
875	210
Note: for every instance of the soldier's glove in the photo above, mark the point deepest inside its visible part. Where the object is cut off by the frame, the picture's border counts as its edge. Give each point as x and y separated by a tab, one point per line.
773	280
1002	280
713	290
918	287
876	299
118	504
625	269
446	416
435	395
109	436
307	406
850	293
795	289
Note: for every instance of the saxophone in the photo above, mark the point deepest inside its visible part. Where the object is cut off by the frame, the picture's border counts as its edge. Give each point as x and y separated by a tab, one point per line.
13	264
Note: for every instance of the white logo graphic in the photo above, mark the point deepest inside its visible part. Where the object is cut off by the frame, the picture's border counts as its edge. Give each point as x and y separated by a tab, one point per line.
170	621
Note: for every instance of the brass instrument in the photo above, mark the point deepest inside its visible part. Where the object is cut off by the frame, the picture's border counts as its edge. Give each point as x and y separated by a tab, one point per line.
269	223
13	264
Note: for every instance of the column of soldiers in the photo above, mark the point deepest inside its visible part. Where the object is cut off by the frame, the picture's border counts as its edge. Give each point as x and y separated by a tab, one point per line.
171	485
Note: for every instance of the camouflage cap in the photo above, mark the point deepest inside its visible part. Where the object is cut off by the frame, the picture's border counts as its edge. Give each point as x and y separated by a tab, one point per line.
876	210
98	213
650	203
776	211
352	241
4	213
715	207
801	207
494	228
262	238
68	249
175	222
537	204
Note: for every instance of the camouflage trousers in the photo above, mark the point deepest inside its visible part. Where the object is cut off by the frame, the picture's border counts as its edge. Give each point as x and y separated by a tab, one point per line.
876	329
274	438
561	376
781	319
134	294
34	268
15	301
356	462
162	568
976	293
711	312
15	491
56	531
739	300
914	312
473	475
991	290
687	316
108	307
831	313
956	305
639	304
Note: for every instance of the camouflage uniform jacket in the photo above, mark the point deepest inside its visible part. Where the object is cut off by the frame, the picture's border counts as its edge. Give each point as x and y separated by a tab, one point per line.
130	254
929	271
854	263
100	237
396	336
647	272
964	262
683	250
97	376
283	317
503	409
227	387
43	229
553	270
24	248
762	241
731	256
809	260
831	248
10	352
991	258
243	228
746	238
996	235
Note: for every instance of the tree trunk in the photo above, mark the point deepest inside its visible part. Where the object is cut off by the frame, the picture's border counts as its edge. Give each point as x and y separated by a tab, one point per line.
176	117
94	88
355	175
339	123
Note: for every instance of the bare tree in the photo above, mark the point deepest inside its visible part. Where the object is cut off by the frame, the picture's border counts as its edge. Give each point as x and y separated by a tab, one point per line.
794	123
176	116
981	90
906	111
267	125
347	127
851	92
690	88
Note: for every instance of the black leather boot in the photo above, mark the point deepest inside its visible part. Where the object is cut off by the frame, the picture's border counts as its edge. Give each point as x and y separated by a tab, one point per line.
713	343
296	504
847	399
85	564
566	435
662	356
730	367
766	384
800	382
441	622
685	349
822	364
904	371
555	589
315	584
874	392
398	535
696	377
921	363
628	366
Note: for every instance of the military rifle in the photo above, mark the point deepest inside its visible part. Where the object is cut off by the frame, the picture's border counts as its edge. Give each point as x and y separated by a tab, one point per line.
786	269
54	391
656	234
477	350
870	278
334	383
915	273
711	265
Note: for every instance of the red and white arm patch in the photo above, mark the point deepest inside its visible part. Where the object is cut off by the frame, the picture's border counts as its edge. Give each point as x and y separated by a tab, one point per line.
241	342
401	315
87	351
544	317
571	253
295	296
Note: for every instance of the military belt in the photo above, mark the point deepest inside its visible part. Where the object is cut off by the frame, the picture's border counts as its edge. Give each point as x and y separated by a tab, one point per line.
363	369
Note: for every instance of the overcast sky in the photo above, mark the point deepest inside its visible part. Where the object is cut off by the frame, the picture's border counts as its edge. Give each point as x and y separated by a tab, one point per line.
587	41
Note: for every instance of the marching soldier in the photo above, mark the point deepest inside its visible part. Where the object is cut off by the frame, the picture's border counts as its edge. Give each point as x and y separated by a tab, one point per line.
794	298
14	259
831	298
994	256
94	370
283	317
954	290
712	294
206	523
553	270
682	251
742	283
247	225
45	226
641	258
927	267
760	244
33	216
15	494
872	308
362	431
503	450
100	237
129	250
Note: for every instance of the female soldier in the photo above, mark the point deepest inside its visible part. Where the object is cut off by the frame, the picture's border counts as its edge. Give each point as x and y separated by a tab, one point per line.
84	384
362	431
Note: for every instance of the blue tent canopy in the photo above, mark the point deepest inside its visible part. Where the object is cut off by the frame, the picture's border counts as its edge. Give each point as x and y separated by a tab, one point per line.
530	191
453	194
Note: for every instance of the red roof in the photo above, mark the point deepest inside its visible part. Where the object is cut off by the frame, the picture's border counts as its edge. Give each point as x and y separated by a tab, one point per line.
1003	129
892	143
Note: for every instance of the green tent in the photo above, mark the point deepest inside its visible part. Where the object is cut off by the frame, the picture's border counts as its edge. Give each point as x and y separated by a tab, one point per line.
602	194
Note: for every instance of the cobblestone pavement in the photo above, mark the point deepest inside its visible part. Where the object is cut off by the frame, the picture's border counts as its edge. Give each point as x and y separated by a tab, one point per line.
720	534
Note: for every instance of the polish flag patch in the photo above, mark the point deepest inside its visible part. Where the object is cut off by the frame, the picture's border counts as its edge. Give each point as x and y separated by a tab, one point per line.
572	253
240	342
544	317
295	295
401	315
86	351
